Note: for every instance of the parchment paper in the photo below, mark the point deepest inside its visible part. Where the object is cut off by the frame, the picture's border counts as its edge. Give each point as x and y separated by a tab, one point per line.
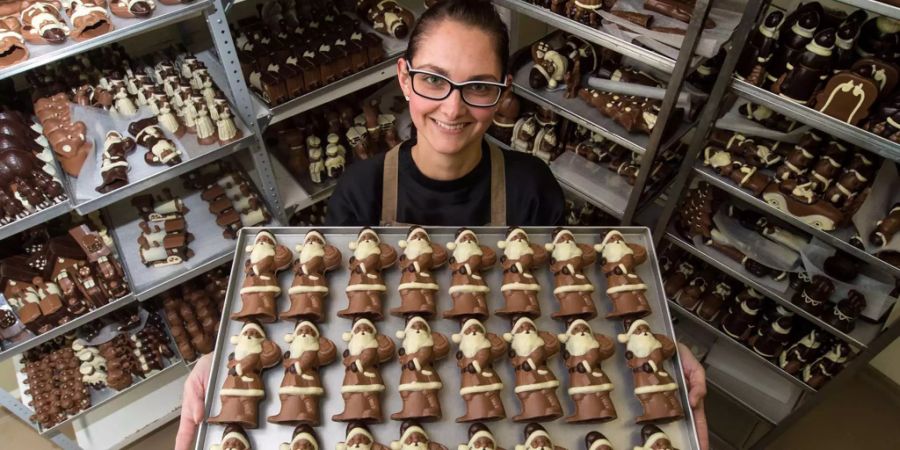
756	246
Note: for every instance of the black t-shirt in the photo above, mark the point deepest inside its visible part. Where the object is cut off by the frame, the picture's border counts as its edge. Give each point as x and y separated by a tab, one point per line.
533	197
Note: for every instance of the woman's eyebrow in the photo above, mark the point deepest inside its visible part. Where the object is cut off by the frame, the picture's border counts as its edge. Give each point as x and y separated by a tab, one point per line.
440	71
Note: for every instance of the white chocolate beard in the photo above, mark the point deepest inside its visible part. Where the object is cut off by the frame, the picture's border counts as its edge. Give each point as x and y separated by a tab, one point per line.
247	346
466	250
615	251
516	249
641	345
578	345
365	249
415	341
566	251
361	342
523	344
261	252
311	250
471	344
415	446
416	247
301	345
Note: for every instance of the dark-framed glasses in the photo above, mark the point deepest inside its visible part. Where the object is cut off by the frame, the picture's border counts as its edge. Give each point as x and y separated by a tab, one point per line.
434	86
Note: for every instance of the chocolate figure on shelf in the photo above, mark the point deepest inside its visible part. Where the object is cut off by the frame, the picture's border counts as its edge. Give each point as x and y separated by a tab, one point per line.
536	384
794	358
536	437
769	341
310	287
520	288
362	387
743	316
843	315
358	437
243	388
260	288
827	366
654	439
468	290
420	384
303	438
414	437
366	288
814	296
808	70
573	289
301	387
417	285
583	351
480	385
760	47
645	353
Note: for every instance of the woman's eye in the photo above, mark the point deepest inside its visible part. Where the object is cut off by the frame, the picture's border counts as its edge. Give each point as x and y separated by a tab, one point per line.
433	79
478	87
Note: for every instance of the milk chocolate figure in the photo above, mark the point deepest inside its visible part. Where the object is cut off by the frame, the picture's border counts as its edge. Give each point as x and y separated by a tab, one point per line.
792	39
537	438
359	437
480	438
420	384
759	49
843	315
808	70
615	251
304	438
657	391
595	440
573	289
506	116
260	288
626	292
520	287
814	296
414	437
823	369
301	386
886	228
711	302
480	384
467	286
550	66
233	438
417	285
362	387
114	167
583	351
244	388
794	358
654	439
769	341
366	286
310	287
536	385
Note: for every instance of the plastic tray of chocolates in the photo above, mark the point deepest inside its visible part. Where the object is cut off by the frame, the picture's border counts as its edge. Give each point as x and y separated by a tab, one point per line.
477	337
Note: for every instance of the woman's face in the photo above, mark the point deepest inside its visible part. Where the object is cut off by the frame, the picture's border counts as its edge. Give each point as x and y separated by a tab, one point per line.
461	54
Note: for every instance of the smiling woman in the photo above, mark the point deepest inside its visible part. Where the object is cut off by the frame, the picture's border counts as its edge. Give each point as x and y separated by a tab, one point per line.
453	74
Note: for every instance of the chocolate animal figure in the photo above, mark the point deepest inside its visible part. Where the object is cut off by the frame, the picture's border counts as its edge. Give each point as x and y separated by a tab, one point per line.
420	384
675	282
886	228
359	437
760	47
468	289
823	369
244	388
310	287
814	296
520	288
843	315
260	288
537	437
414	437
583	351
689	297
303	438
645	353
417	284
742	317
536	384
366	287
568	260
480	438
362	386
301	387
388	17
794	358
480	385
654	439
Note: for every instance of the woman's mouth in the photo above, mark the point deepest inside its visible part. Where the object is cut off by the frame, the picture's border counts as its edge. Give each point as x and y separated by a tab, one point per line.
452	127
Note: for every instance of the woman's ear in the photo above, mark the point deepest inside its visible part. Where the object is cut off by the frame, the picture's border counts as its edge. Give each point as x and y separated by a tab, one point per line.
509	80
403	78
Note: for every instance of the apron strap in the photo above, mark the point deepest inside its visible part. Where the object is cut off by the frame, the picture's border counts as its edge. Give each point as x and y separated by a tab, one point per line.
390	182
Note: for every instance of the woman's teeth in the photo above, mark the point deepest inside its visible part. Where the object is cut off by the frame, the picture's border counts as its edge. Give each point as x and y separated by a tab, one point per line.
449	126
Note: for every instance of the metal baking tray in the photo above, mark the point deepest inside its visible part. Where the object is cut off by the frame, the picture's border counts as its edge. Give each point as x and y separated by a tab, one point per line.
622	432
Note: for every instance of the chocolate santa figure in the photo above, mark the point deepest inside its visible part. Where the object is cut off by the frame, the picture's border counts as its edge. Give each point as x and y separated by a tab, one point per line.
243	388
480	438
536	385
769	340
654	439
480	386
626	292
420	384
657	391
794	358
233	438
260	287
468	289
366	286
362	387
589	387
358	437
414	437
417	285
616	254
310	287
520	288
301	386
303	438
595	440
537	438
573	289
823	369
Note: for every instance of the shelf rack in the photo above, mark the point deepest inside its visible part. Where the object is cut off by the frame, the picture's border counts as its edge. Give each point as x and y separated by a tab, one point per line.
875	6
35	218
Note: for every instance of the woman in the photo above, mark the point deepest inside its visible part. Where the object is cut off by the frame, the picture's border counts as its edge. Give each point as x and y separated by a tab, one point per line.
453	73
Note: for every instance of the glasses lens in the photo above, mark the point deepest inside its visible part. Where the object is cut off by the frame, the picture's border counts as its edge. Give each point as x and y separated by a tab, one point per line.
481	94
430	86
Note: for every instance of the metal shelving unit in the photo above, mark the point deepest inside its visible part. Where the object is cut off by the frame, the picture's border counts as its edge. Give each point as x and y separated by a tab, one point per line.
839	239
875	6
35	218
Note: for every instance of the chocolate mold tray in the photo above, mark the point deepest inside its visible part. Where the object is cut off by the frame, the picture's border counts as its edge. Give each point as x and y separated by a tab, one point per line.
622	432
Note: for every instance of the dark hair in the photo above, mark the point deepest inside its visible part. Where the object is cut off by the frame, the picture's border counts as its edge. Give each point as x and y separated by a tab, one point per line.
475	13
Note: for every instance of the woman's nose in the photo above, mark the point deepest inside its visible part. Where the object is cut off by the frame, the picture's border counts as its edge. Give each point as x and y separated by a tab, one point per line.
453	106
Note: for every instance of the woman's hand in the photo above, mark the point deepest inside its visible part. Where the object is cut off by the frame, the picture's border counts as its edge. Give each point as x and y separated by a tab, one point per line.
192	410
696	380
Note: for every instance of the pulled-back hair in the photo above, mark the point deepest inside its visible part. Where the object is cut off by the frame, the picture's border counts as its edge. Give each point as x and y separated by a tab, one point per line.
479	14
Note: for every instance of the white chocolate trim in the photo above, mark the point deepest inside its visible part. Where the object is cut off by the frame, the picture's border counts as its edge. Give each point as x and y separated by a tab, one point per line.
550	384
654	389
301	390
420	386
366	287
480	389
243	392
605	387
362	388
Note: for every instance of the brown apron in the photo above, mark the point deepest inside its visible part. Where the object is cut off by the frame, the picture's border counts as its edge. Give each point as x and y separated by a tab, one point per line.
389	188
